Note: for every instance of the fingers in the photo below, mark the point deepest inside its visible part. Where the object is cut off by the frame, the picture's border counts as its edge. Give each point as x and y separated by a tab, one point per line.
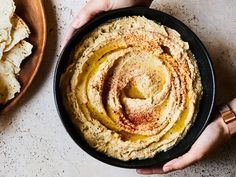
127	3
209	140
150	171
68	36
182	162
92	8
176	164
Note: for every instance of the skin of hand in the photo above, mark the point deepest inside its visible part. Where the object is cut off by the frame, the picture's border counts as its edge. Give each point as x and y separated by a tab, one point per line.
215	133
212	137
94	7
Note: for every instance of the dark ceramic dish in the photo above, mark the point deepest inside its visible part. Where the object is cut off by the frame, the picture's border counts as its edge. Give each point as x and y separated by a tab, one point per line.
206	71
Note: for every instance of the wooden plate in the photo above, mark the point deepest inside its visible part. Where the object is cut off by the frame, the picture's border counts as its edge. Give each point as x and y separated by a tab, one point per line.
32	12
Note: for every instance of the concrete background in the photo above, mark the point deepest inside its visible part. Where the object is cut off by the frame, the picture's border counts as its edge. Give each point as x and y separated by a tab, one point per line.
33	141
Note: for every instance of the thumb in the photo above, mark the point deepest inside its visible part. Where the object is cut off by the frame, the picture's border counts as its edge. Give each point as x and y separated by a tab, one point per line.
92	8
213	136
182	162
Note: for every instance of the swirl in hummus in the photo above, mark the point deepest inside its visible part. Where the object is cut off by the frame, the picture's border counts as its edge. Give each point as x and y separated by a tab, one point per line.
132	88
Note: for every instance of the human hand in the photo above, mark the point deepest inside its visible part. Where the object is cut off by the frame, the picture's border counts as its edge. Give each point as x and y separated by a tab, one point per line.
94	7
214	135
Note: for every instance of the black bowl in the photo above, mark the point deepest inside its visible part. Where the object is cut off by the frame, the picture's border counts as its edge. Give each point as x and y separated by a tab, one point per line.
206	71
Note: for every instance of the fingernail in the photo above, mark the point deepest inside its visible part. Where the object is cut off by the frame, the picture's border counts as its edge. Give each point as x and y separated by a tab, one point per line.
140	171
170	163
167	169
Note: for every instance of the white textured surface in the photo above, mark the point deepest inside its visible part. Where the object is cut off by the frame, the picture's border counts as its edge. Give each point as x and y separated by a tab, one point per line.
33	141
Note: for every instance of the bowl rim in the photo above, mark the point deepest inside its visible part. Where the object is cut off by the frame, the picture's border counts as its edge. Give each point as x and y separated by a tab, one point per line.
151	162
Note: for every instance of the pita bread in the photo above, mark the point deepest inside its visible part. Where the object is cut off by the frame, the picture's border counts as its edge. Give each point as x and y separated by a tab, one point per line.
10	68
7	9
5	35
13	49
17	54
19	32
2	46
9	85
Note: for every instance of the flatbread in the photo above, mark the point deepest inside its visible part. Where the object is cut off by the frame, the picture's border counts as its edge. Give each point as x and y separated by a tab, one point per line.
2	47
10	68
9	85
19	32
13	49
5	35
7	9
17	54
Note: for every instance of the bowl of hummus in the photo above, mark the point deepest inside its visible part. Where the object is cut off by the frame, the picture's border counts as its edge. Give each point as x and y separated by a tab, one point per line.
134	87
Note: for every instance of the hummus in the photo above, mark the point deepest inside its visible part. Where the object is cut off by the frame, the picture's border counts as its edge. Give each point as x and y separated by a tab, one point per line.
132	88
